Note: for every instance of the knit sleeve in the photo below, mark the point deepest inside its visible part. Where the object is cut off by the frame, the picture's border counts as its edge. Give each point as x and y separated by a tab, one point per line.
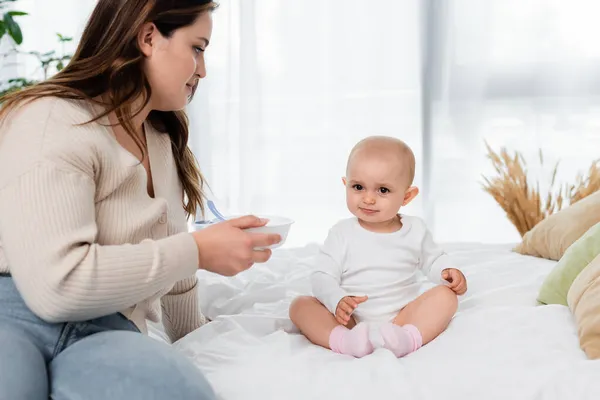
180	309
48	229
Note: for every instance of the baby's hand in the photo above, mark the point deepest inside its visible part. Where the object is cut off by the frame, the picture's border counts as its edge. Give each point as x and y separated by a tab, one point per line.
456	280
346	307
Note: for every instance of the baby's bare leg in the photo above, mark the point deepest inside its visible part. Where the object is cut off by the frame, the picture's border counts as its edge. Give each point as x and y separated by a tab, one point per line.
320	327
420	321
430	313
314	320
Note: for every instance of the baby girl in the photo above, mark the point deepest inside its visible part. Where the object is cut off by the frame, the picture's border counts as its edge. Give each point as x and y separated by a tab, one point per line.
366	285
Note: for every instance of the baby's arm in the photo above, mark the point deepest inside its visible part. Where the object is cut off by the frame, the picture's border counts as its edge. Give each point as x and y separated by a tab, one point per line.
327	277
434	259
325	319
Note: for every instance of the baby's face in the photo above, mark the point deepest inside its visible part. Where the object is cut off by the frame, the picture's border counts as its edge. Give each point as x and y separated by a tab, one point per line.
375	189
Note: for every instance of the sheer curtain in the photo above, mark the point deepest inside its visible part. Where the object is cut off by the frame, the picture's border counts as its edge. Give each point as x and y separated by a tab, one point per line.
521	74
291	87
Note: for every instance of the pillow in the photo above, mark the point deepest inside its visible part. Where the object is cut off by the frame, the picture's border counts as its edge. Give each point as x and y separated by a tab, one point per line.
584	302
553	235
556	286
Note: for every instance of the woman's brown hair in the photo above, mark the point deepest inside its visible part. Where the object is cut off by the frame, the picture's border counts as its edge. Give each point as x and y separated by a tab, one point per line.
108	64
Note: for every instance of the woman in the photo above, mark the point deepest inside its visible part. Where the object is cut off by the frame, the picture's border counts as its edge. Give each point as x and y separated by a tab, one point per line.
96	184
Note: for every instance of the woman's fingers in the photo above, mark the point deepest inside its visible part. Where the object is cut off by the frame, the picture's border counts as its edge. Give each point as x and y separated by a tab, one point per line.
261	256
264	239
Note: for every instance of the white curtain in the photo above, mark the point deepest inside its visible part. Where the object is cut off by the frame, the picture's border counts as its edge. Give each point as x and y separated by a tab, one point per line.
291	87
517	73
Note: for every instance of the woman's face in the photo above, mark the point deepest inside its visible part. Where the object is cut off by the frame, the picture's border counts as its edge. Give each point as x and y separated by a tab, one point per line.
174	65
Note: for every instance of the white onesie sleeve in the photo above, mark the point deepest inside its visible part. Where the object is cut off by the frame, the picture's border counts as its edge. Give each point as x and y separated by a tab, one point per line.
433	259
326	278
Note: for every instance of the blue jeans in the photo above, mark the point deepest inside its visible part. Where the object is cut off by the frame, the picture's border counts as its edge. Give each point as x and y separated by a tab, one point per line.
103	358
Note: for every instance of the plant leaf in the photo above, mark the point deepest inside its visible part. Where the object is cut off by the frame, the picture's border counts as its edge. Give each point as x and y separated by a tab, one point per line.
2	29
14	30
63	39
17	13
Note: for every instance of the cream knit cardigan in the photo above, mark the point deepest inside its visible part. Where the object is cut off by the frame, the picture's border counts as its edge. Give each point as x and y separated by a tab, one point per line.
79	233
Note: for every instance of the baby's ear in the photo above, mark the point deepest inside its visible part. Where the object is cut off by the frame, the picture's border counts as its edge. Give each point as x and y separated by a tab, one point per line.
410	194
344	180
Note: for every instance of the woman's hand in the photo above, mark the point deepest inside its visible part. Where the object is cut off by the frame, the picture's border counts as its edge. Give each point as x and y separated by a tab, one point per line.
226	249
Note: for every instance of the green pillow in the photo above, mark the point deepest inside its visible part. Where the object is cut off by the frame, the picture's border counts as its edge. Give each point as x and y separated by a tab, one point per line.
558	282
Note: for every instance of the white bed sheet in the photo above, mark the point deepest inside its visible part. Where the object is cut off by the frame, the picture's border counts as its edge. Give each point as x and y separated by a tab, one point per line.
500	345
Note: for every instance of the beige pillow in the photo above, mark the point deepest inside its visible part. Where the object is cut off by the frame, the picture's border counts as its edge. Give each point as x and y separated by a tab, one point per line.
584	302
551	237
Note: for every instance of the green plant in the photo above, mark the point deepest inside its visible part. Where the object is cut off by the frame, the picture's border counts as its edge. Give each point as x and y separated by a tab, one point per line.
50	59
8	25
49	62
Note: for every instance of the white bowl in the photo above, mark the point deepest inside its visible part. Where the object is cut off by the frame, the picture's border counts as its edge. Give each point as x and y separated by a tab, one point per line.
278	225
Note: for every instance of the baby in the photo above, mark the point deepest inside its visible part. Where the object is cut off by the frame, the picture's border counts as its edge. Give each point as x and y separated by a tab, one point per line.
366	288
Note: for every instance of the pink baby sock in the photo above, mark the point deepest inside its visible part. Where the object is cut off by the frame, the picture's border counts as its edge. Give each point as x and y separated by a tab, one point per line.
401	340
353	342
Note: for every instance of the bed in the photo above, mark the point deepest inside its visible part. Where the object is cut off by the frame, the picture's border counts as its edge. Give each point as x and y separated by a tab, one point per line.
500	345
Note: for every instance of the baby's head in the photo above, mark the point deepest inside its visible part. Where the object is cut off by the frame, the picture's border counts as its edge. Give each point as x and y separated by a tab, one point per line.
379	178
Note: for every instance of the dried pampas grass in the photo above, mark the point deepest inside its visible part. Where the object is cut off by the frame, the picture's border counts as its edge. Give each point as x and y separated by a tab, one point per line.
523	203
